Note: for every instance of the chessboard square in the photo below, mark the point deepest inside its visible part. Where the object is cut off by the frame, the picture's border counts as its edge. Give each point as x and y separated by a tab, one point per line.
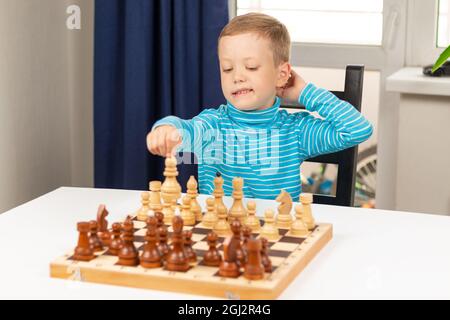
292	239
139	238
286	246
140	232
139	224
279	253
198	237
283	231
201	245
138	244
200	230
276	261
187	228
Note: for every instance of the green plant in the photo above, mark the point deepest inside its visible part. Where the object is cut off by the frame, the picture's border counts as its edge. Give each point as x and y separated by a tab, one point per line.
442	58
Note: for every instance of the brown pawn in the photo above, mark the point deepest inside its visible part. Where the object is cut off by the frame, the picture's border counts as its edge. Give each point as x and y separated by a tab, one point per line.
212	257
83	251
254	269
247	235
229	266
116	241
151	257
235	243
160	219
163	247
94	240
128	254
188	251
265	255
176	260
102	224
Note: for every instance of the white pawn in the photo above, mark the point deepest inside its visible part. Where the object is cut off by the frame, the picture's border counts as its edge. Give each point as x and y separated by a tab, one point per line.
269	229
210	217
298	227
186	214
252	221
142	214
222	227
306	200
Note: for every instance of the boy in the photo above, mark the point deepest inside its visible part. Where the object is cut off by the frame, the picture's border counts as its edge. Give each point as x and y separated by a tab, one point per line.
250	136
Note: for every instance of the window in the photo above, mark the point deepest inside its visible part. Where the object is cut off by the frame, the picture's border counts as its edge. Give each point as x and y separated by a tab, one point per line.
443	35
324	21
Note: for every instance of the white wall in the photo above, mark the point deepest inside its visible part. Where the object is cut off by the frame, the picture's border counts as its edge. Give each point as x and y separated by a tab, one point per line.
45	99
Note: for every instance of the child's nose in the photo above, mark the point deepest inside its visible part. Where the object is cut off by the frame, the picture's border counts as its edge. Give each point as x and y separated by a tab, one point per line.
238	76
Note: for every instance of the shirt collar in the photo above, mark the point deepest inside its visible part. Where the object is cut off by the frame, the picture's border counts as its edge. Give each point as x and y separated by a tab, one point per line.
257	117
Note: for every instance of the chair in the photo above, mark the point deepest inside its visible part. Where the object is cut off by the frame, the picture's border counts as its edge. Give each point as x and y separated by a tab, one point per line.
345	159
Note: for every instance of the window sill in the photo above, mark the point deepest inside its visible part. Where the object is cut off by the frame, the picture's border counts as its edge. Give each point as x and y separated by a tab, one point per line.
411	80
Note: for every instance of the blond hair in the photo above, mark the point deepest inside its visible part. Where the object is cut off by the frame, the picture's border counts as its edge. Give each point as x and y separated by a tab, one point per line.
265	26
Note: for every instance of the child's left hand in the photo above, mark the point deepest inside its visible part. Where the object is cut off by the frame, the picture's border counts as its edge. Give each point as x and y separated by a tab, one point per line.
292	89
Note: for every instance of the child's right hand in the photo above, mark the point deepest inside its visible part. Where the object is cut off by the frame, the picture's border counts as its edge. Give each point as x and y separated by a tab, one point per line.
163	140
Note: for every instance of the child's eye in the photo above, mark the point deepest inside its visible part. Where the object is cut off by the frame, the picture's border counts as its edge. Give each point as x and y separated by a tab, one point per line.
227	70
252	68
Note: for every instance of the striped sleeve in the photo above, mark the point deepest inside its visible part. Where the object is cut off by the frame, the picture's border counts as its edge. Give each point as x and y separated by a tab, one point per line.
342	126
193	130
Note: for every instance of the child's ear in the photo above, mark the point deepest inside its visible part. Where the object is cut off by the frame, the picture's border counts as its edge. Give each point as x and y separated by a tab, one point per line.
284	71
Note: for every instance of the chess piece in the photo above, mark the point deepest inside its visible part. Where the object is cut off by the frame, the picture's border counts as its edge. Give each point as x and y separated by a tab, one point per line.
210	217
94	240
83	250
298	227
176	260
188	251
163	247
170	189
269	229
236	244
307	217
254	269
151	257
128	254
155	196
142	213
102	224
252	221
212	257
246	235
222	227
218	191
265	255
116	241
159	219
237	210
186	213
284	218
228	266
193	193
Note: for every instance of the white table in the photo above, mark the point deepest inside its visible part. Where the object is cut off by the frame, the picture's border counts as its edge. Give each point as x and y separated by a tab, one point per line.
374	254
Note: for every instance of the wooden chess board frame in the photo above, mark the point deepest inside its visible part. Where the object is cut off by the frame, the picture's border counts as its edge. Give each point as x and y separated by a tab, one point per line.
289	255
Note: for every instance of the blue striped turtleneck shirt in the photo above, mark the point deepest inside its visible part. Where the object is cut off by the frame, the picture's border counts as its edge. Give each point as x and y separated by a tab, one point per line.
267	147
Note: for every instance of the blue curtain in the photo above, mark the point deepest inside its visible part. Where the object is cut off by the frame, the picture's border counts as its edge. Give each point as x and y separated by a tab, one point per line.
152	59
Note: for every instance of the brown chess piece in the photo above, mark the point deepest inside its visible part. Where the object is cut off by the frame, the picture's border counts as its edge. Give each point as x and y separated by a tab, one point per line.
128	254
236	244
265	255
254	269
83	251
212	257
160	219
94	240
176	260
163	247
229	266
116	241
247	235
151	257
103	232
188	251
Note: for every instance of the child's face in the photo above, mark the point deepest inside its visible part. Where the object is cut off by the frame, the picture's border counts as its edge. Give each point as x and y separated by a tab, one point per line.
249	76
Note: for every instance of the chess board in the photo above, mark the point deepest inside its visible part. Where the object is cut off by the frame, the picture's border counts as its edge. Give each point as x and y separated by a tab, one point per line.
289	255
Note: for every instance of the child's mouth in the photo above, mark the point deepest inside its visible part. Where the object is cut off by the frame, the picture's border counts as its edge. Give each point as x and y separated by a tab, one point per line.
241	92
